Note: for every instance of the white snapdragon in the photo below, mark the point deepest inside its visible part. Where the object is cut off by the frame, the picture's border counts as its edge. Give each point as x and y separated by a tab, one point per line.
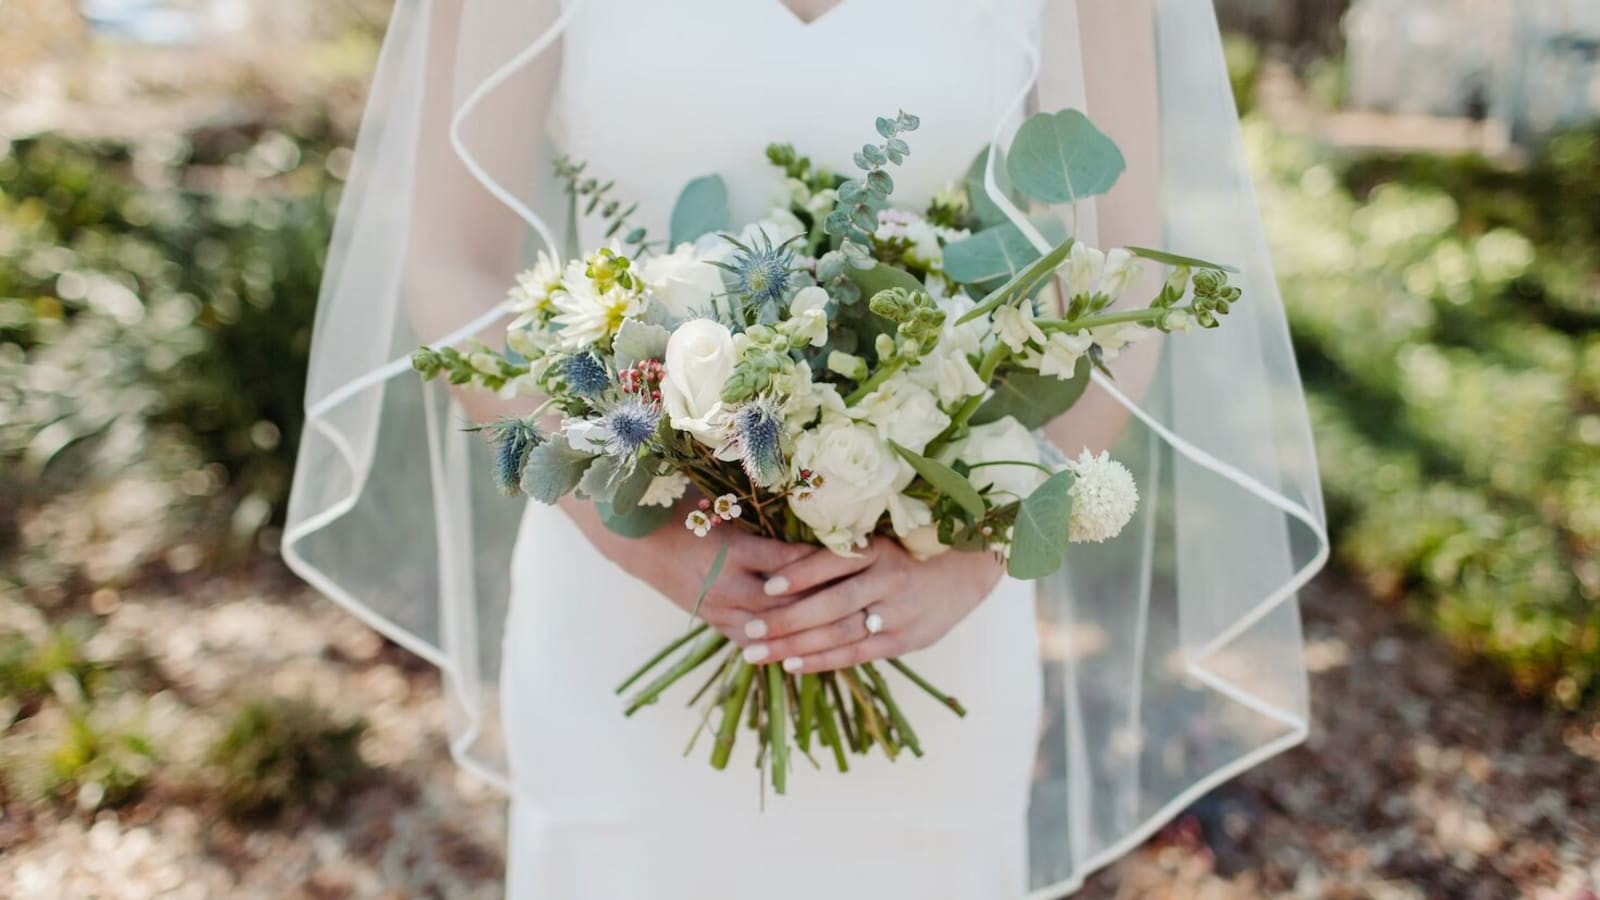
949	374
1083	269
1014	325
1120	273
1059	355
1104	497
1113	338
804	399
808	316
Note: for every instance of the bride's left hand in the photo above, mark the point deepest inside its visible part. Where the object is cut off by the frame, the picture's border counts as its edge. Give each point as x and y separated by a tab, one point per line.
824	627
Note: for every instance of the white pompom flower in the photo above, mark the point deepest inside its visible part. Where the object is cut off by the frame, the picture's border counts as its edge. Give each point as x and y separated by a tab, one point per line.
1104	498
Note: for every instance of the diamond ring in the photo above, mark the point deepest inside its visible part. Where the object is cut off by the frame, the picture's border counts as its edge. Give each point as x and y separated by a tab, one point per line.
874	623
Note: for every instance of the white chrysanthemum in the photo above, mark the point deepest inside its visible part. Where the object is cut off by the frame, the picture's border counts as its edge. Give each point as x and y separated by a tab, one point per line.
588	316
665	490
1014	325
1104	498
534	290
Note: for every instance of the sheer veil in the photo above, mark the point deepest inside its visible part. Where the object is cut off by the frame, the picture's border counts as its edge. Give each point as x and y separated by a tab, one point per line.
1172	654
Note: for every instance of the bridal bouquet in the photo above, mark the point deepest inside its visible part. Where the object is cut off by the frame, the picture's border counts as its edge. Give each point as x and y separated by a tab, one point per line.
843	368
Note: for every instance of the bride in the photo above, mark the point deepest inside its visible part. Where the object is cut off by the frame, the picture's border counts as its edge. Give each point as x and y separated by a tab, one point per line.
1102	701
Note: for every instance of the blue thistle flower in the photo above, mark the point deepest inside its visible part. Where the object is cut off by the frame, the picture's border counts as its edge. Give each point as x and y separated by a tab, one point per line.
758	436
515	438
762	271
630	425
586	375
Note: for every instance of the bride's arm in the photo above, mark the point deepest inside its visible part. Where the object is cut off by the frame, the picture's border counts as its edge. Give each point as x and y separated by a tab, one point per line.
1119	72
465	246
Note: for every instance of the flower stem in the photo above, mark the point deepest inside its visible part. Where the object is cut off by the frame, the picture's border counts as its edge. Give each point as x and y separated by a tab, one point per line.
1148	314
935	693
732	712
666	651
808	712
688	664
874	724
831	679
902	727
829	729
777	726
884	373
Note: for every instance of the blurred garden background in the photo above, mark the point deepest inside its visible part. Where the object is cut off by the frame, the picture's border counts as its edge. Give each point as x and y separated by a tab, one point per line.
179	716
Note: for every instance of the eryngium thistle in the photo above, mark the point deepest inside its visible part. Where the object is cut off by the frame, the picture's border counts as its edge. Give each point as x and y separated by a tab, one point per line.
515	439
586	375
757	441
630	425
761	271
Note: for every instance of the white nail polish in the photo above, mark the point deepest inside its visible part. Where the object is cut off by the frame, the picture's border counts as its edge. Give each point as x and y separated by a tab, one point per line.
755	653
755	629
792	664
775	586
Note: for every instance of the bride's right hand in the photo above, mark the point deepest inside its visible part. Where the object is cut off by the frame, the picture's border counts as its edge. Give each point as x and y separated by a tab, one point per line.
675	562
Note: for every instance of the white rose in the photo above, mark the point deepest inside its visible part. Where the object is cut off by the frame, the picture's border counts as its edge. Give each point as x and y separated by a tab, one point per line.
859	473
699	359
923	543
681	282
1005	439
903	412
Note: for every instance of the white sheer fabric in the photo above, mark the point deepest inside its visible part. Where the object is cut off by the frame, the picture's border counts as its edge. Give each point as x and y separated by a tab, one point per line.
1172	656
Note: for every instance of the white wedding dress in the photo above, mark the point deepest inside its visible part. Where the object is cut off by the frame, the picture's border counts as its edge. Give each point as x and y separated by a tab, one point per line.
605	807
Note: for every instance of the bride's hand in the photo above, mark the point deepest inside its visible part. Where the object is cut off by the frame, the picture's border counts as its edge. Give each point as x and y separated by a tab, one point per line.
675	562
822	625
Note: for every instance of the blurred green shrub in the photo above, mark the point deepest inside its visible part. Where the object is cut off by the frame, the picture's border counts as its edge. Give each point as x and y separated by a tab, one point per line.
164	286
1443	314
277	754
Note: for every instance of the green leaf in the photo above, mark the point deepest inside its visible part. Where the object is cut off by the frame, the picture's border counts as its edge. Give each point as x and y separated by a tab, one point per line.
881	277
554	469
1174	259
990	257
637	341
701	209
600	480
711	578
630	490
1034	278
636	522
945	480
987	212
1061	157
1032	399
1039	538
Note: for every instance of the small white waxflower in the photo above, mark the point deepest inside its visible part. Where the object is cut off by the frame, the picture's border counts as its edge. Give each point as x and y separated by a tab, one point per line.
1060	354
1104	498
698	522
1014	325
665	490
727	507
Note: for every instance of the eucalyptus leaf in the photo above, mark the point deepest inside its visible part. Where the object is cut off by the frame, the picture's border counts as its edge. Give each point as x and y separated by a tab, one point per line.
1032	399
945	480
701	209
637	341
554	469
994	255
1174	259
1061	157
987	212
1039	537
881	277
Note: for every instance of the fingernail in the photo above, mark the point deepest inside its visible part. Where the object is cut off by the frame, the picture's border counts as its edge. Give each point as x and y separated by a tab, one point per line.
755	653
775	586
755	628
792	664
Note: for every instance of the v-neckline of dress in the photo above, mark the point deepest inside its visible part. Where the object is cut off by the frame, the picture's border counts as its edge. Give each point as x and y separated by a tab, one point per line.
799	22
